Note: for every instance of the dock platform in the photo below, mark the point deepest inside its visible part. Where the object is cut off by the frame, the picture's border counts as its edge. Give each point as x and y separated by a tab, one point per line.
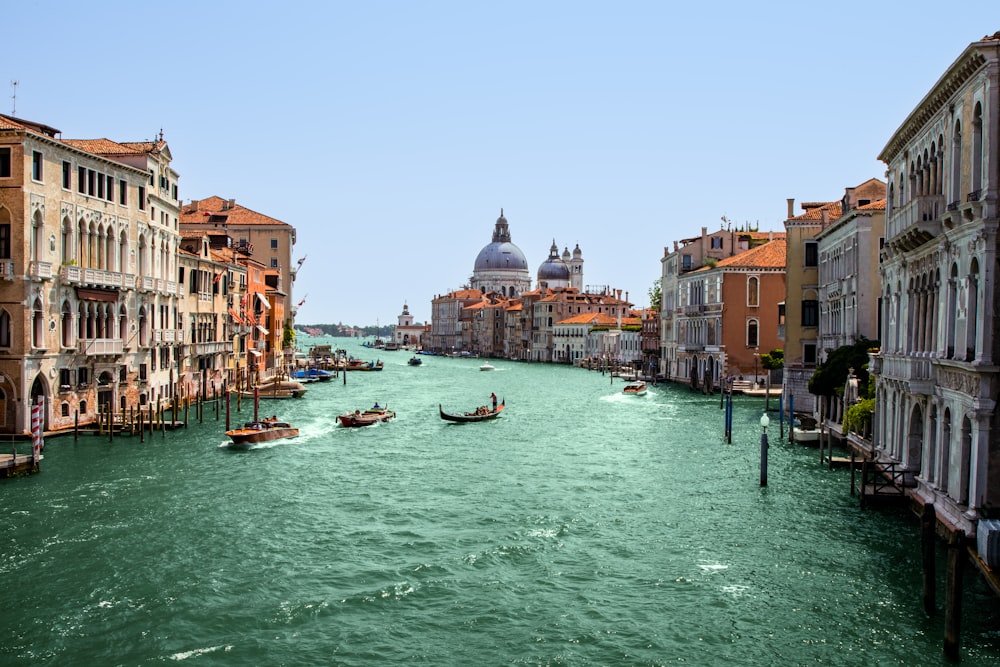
15	466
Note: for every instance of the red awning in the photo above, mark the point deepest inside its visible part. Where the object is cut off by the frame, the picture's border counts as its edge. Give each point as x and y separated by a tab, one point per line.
90	294
235	315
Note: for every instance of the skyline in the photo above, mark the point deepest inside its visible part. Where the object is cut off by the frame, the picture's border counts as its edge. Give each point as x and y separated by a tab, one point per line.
391	135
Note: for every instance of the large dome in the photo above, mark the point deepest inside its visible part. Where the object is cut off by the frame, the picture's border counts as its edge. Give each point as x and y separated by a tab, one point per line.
501	254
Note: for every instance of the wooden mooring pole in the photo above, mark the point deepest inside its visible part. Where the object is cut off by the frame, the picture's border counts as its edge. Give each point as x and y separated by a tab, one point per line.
953	595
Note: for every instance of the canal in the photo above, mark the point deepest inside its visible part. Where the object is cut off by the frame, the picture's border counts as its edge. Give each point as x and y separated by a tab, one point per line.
582	527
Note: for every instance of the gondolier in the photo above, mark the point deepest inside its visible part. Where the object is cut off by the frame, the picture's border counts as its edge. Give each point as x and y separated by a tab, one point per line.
493	397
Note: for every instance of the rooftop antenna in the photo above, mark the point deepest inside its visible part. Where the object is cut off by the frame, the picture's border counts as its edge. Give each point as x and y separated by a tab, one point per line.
13	85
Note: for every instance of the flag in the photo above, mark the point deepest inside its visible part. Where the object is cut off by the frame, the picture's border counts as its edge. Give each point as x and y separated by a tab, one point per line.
218	277
302	302
302	259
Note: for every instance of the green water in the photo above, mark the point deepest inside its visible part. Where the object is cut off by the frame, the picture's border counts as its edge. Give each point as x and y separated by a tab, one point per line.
582	527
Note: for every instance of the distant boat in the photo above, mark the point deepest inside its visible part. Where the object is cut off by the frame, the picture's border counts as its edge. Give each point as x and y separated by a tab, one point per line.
282	389
635	389
366	418
481	414
487	366
391	346
415	361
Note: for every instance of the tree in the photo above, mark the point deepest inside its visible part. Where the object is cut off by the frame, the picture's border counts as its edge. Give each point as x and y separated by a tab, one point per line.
831	375
656	295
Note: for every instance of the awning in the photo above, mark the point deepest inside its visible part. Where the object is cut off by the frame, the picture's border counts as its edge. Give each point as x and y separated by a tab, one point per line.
91	294
263	300
255	353
262	330
235	315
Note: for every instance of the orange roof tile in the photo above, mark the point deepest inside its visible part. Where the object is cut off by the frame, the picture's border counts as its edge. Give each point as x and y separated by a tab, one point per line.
197	212
770	255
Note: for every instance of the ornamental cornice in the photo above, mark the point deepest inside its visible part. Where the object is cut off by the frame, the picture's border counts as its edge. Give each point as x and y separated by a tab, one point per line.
934	102
959	380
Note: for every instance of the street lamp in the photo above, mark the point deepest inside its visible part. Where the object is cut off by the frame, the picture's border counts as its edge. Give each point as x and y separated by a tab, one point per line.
764	422
756	358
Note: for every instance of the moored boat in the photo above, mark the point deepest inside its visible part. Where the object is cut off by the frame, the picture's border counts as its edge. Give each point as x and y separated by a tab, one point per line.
312	375
635	389
367	418
481	414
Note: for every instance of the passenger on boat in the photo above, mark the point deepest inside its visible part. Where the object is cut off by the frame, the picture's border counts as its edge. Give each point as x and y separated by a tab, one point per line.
376	407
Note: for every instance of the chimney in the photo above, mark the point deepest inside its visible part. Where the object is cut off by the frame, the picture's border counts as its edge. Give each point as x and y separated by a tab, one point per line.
791	208
232	203
824	217
849	200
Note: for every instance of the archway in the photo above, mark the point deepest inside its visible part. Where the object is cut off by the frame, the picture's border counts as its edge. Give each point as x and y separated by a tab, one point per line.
39	388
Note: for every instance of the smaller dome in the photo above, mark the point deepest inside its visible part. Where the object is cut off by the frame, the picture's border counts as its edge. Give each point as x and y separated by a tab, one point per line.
565	255
577	253
553	270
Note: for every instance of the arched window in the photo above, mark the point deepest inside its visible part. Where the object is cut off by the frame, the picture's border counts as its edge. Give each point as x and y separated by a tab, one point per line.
753	291
144	328
752	333
4	328
66	241
66	325
37	325
952	306
972	316
955	191
977	152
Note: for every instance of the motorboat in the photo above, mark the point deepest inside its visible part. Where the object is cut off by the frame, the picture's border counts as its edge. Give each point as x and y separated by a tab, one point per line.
367	417
635	389
487	366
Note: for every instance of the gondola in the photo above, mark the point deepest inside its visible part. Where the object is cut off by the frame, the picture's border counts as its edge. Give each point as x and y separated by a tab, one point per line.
477	416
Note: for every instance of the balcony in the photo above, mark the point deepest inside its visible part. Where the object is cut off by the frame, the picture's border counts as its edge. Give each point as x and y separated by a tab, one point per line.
168	336
212	347
918	373
916	222
77	275
96	347
40	270
7	269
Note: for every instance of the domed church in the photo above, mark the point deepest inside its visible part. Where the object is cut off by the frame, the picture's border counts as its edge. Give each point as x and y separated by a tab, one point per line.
501	266
565	271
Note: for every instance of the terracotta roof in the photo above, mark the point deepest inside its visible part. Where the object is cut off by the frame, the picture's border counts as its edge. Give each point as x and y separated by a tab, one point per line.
815	212
874	206
197	212
462	294
107	147
770	255
12	123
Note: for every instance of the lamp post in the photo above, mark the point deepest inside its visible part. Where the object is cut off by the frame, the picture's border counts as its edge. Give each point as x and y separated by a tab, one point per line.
764	421
756	358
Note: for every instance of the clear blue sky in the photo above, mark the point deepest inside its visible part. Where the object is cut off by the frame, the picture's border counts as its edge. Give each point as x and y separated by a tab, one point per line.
390	134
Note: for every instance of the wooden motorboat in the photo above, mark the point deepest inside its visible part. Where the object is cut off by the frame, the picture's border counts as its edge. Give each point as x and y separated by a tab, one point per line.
260	430
366	418
635	389
263	430
480	415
